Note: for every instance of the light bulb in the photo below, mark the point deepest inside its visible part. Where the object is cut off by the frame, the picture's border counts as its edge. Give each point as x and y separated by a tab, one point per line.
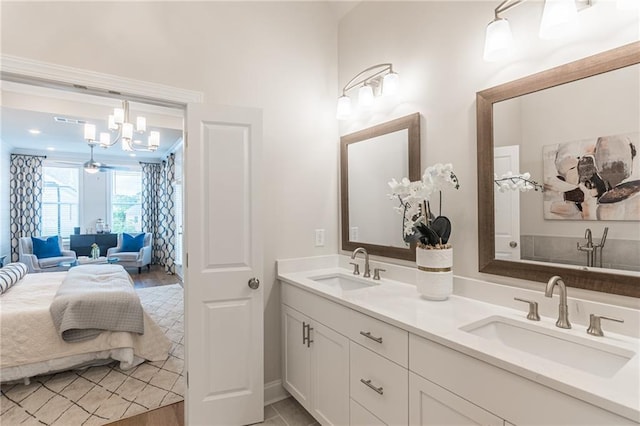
344	107
127	131
141	124
112	123
91	169
90	132
118	115
365	96
154	140
498	41
390	84
105	139
559	18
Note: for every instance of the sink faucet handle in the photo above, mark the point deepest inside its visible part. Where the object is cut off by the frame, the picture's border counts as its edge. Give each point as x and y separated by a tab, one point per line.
356	268
595	326
376	273
533	309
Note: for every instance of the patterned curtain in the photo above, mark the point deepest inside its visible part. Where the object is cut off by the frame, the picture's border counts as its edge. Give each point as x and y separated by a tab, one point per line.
151	194
158	210
25	198
167	216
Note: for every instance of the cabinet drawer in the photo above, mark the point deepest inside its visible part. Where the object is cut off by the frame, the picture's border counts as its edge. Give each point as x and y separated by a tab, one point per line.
379	385
324	311
361	417
381	337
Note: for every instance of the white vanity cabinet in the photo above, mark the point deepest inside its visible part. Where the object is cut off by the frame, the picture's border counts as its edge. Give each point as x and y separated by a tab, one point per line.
359	370
432	405
316	367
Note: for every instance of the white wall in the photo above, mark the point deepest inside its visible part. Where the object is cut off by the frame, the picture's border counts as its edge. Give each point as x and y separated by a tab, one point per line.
437	48
280	57
5	235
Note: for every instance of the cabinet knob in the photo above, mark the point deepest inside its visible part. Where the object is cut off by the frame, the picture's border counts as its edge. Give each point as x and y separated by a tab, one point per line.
513	244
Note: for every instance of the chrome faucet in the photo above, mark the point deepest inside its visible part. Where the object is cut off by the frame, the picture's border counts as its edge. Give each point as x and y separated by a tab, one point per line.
367	272
563	309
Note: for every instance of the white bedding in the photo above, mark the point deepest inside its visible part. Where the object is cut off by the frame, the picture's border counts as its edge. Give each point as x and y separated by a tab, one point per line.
30	344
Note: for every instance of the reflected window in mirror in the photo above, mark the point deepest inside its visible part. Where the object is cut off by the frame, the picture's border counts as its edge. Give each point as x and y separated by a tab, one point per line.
370	158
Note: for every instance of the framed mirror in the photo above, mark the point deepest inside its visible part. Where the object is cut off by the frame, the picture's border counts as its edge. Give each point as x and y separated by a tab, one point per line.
561	124
369	159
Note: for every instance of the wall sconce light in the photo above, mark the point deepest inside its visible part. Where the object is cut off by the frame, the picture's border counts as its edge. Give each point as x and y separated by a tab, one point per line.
374	81
559	18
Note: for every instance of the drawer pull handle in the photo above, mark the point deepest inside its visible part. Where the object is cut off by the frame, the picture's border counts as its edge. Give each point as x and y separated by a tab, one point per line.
368	383
368	335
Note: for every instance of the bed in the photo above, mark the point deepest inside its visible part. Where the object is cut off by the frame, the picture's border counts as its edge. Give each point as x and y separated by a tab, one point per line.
31	345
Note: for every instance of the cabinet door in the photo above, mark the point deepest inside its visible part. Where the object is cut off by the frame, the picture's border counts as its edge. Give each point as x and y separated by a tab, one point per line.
329	376
296	366
432	405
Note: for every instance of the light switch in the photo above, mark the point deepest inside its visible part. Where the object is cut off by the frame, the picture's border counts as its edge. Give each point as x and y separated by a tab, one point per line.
319	237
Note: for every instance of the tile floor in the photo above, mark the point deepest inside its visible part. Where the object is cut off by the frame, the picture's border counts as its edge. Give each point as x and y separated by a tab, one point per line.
287	412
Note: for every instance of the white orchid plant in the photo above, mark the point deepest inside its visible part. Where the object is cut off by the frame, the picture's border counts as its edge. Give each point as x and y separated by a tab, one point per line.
419	224
516	182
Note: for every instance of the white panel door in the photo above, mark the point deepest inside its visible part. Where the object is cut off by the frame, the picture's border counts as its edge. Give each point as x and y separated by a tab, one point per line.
432	405
224	316
507	205
296	357
330	375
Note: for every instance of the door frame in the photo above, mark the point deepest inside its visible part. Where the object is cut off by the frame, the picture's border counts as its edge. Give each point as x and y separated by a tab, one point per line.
61	77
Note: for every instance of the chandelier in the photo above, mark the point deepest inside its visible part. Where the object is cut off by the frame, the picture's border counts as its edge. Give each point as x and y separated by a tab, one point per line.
130	136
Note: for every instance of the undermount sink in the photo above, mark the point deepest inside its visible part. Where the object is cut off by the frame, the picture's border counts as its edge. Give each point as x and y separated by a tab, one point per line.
597	358
343	282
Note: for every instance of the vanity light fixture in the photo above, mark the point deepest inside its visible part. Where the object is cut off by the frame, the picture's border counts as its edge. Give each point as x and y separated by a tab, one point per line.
374	81
119	122
559	18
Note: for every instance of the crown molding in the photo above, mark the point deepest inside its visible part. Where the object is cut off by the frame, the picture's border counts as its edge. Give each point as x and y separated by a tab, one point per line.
25	70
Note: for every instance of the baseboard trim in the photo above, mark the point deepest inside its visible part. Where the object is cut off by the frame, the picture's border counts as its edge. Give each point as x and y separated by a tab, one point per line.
274	392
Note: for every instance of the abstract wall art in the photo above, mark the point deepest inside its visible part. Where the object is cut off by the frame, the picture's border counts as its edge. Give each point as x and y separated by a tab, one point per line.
593	179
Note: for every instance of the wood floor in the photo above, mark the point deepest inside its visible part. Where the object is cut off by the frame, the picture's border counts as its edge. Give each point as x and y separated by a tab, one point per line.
152	278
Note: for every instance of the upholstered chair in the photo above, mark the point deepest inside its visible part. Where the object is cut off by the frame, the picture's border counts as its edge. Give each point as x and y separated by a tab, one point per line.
47	264
136	259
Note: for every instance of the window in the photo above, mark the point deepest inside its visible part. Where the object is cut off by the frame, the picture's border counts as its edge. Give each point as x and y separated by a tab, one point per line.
60	198
126	201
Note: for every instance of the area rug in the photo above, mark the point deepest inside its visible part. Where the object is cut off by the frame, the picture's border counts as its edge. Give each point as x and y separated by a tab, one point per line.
100	395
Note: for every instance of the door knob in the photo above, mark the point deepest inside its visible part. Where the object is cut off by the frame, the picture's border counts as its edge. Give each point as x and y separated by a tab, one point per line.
254	283
513	244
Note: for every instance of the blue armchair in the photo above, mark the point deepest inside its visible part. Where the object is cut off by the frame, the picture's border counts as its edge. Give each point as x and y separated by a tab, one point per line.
47	264
136	259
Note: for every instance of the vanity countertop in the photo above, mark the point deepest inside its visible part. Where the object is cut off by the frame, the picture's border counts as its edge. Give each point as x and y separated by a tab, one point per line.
399	303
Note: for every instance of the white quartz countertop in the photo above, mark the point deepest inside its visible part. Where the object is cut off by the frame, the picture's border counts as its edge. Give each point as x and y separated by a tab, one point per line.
400	304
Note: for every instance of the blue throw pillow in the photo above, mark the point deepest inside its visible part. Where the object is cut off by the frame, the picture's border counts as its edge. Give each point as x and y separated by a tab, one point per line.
46	247
131	243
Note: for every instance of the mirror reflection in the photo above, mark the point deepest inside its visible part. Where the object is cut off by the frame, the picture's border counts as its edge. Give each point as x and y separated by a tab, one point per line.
370	158
372	218
580	140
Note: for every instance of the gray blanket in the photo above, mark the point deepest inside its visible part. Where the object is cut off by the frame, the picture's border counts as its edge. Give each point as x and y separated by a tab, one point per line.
95	298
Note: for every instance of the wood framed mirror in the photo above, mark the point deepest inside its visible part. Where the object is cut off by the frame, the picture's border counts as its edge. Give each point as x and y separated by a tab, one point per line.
369	159
586	277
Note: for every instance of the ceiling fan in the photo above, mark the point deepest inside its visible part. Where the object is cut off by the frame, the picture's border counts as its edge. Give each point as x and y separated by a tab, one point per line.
93	166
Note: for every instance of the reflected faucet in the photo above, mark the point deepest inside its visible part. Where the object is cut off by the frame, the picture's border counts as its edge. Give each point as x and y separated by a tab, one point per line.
367	272
588	247
563	309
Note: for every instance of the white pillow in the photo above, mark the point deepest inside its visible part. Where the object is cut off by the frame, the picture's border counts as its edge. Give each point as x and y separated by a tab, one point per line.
11	274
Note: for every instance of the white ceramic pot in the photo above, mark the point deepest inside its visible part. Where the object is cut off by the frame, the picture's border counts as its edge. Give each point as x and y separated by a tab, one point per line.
434	277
